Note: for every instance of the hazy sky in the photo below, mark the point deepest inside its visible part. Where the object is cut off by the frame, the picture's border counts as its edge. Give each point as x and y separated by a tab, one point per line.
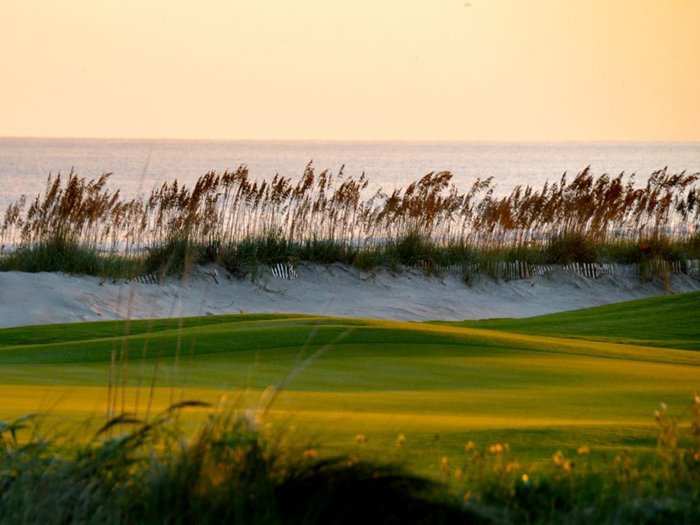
351	69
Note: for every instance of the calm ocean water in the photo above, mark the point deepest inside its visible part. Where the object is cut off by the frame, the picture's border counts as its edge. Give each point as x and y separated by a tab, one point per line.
139	164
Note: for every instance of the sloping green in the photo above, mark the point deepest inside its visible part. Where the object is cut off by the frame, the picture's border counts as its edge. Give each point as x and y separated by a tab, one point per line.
671	321
439	385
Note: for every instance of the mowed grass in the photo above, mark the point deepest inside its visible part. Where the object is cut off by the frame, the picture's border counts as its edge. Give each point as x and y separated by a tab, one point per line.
669	321
438	385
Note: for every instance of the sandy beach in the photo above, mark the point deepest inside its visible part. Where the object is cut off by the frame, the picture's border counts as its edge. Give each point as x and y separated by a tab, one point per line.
339	290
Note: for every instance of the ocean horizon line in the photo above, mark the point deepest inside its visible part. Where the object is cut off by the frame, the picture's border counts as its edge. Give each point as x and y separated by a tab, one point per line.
317	141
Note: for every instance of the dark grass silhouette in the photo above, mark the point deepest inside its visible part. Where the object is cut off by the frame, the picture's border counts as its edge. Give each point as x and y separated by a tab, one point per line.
226	473
136	471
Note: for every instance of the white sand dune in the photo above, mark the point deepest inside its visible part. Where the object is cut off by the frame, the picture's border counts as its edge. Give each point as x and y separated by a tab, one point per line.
329	290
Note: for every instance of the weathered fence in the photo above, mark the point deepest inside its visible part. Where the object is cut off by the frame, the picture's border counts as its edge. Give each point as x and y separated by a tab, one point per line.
515	270
509	270
285	271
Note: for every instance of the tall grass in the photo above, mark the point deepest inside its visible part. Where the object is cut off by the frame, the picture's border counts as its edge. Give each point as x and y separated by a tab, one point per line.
325	217
150	471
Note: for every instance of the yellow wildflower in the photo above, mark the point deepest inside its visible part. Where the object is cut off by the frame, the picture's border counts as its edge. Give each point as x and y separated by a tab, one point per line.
310	453
512	467
496	449
445	465
558	458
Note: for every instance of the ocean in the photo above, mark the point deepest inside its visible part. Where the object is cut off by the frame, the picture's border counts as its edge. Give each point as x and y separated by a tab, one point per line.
137	165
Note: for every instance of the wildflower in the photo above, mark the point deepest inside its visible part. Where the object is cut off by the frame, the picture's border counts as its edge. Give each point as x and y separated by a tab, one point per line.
583	450
558	458
459	474
525	479
512	467
696	456
696	398
310	453
400	440
469	446
360	439
445	465
496	449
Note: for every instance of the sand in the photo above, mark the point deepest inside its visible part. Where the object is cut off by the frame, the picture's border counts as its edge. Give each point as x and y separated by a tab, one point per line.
340	290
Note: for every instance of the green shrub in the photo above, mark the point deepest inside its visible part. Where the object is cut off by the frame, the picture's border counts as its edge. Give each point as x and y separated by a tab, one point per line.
70	258
368	259
176	257
325	252
411	249
569	248
179	256
645	250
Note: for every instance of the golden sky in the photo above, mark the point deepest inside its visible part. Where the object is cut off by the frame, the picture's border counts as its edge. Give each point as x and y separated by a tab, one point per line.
540	70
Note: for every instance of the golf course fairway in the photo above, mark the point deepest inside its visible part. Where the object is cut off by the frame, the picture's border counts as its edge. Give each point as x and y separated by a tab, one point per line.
591	377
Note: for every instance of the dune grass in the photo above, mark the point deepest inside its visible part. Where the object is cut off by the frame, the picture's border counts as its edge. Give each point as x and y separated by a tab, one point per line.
542	420
82	226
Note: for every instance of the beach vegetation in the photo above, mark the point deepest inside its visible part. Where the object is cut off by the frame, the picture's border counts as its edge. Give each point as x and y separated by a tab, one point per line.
240	222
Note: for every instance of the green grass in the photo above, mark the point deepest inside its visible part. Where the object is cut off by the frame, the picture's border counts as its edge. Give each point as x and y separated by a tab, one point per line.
671	321
554	383
439	385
